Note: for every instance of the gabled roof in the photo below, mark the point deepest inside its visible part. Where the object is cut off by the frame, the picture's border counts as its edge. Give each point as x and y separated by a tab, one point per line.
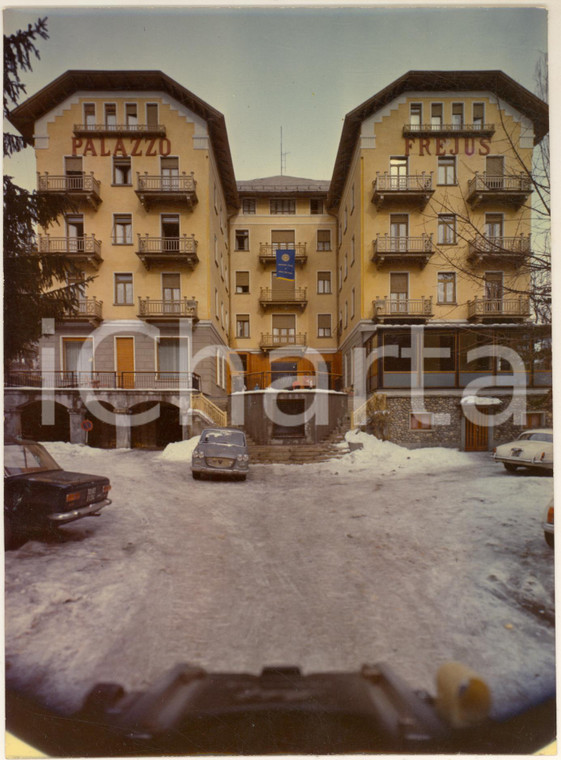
456	81
283	184
25	115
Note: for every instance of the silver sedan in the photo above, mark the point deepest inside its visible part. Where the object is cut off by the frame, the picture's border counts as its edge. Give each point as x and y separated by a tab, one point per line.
221	451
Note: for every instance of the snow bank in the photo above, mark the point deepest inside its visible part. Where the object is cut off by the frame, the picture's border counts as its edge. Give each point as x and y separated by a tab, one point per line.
180	451
386	456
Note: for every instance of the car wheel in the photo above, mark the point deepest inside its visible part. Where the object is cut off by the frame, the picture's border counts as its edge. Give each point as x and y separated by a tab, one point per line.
510	467
13	538
549	537
196	475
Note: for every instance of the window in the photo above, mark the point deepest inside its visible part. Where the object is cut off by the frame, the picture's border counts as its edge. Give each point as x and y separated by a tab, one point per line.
73	167
242	326
282	206
346	220
400	343
324	325
242	282
283	239
110	112
352	250
168	355
242	240
416	115
284	329
457	115
152	114
77	354
534	419
346	322
121	171
399	292
324	282
216	250
352	303
123	289
89	114
352	197
398	173
324	240
446	229
436	115
346	269
446	287
169	168
122	229
493	285
442	346
340	277
171	292
170	232
316	206
420	421
75	232
399	230
248	206
478	115
494	172
131	114
494	226
447	170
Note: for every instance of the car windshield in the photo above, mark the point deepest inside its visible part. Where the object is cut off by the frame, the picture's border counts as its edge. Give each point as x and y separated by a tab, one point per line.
229	437
21	458
547	437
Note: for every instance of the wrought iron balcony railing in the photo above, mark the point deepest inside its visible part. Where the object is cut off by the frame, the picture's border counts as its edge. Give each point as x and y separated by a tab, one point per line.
85	248
449	129
86	309
77	186
416	188
179	249
269	341
272	297
509	188
392	248
514	248
118	130
167	310
268	251
155	379
153	188
392	308
514	307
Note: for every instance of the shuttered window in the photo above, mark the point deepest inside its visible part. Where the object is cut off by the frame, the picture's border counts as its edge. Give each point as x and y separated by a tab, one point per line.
324	240
152	114
324	325
242	282
282	239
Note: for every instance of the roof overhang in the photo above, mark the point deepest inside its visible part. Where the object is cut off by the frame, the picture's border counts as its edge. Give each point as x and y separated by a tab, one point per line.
26	115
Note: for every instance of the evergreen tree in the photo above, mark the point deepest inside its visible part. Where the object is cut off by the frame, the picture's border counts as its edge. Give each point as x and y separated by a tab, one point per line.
32	280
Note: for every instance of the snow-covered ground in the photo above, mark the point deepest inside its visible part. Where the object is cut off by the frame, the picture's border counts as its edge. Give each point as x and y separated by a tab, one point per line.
414	558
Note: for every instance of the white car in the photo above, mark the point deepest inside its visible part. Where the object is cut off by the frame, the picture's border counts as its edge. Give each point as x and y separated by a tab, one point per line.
532	448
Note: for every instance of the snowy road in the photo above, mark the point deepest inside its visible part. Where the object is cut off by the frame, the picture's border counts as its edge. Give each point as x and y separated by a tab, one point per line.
413	558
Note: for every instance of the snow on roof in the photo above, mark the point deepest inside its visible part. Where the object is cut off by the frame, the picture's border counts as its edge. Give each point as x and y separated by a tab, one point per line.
481	400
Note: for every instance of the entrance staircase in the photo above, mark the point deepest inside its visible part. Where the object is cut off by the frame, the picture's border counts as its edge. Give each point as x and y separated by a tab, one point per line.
298	453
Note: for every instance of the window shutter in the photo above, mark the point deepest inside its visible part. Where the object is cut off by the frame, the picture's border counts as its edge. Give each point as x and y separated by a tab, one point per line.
282	236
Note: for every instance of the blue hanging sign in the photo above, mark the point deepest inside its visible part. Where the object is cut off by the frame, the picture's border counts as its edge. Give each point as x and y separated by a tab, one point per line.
286	264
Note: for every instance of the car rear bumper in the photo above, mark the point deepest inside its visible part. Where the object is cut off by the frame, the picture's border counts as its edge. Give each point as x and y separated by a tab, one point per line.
59	518
521	462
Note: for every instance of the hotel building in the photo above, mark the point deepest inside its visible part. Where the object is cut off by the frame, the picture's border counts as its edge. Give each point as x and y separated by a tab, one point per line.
415	253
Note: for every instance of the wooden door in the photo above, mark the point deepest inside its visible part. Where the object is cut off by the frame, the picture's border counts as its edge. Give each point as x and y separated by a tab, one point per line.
477	437
124	349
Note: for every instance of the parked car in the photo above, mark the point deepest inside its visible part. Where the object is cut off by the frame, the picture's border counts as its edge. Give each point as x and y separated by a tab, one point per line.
221	451
39	495
532	448
548	524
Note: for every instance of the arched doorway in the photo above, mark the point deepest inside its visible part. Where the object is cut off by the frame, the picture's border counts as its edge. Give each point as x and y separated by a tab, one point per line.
32	425
103	435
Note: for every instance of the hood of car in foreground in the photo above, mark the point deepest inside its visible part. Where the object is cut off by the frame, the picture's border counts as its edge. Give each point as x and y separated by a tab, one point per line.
63	478
221	449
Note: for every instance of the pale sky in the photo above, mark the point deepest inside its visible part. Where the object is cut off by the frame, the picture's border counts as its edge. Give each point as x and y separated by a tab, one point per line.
301	69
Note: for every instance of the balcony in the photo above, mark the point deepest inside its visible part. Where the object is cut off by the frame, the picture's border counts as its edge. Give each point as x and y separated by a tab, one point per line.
297	341
81	188
510	189
510	309
120	130
407	309
104	380
268	252
411	188
153	189
402	250
80	250
180	251
463	130
295	298
512	250
167	311
87	310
